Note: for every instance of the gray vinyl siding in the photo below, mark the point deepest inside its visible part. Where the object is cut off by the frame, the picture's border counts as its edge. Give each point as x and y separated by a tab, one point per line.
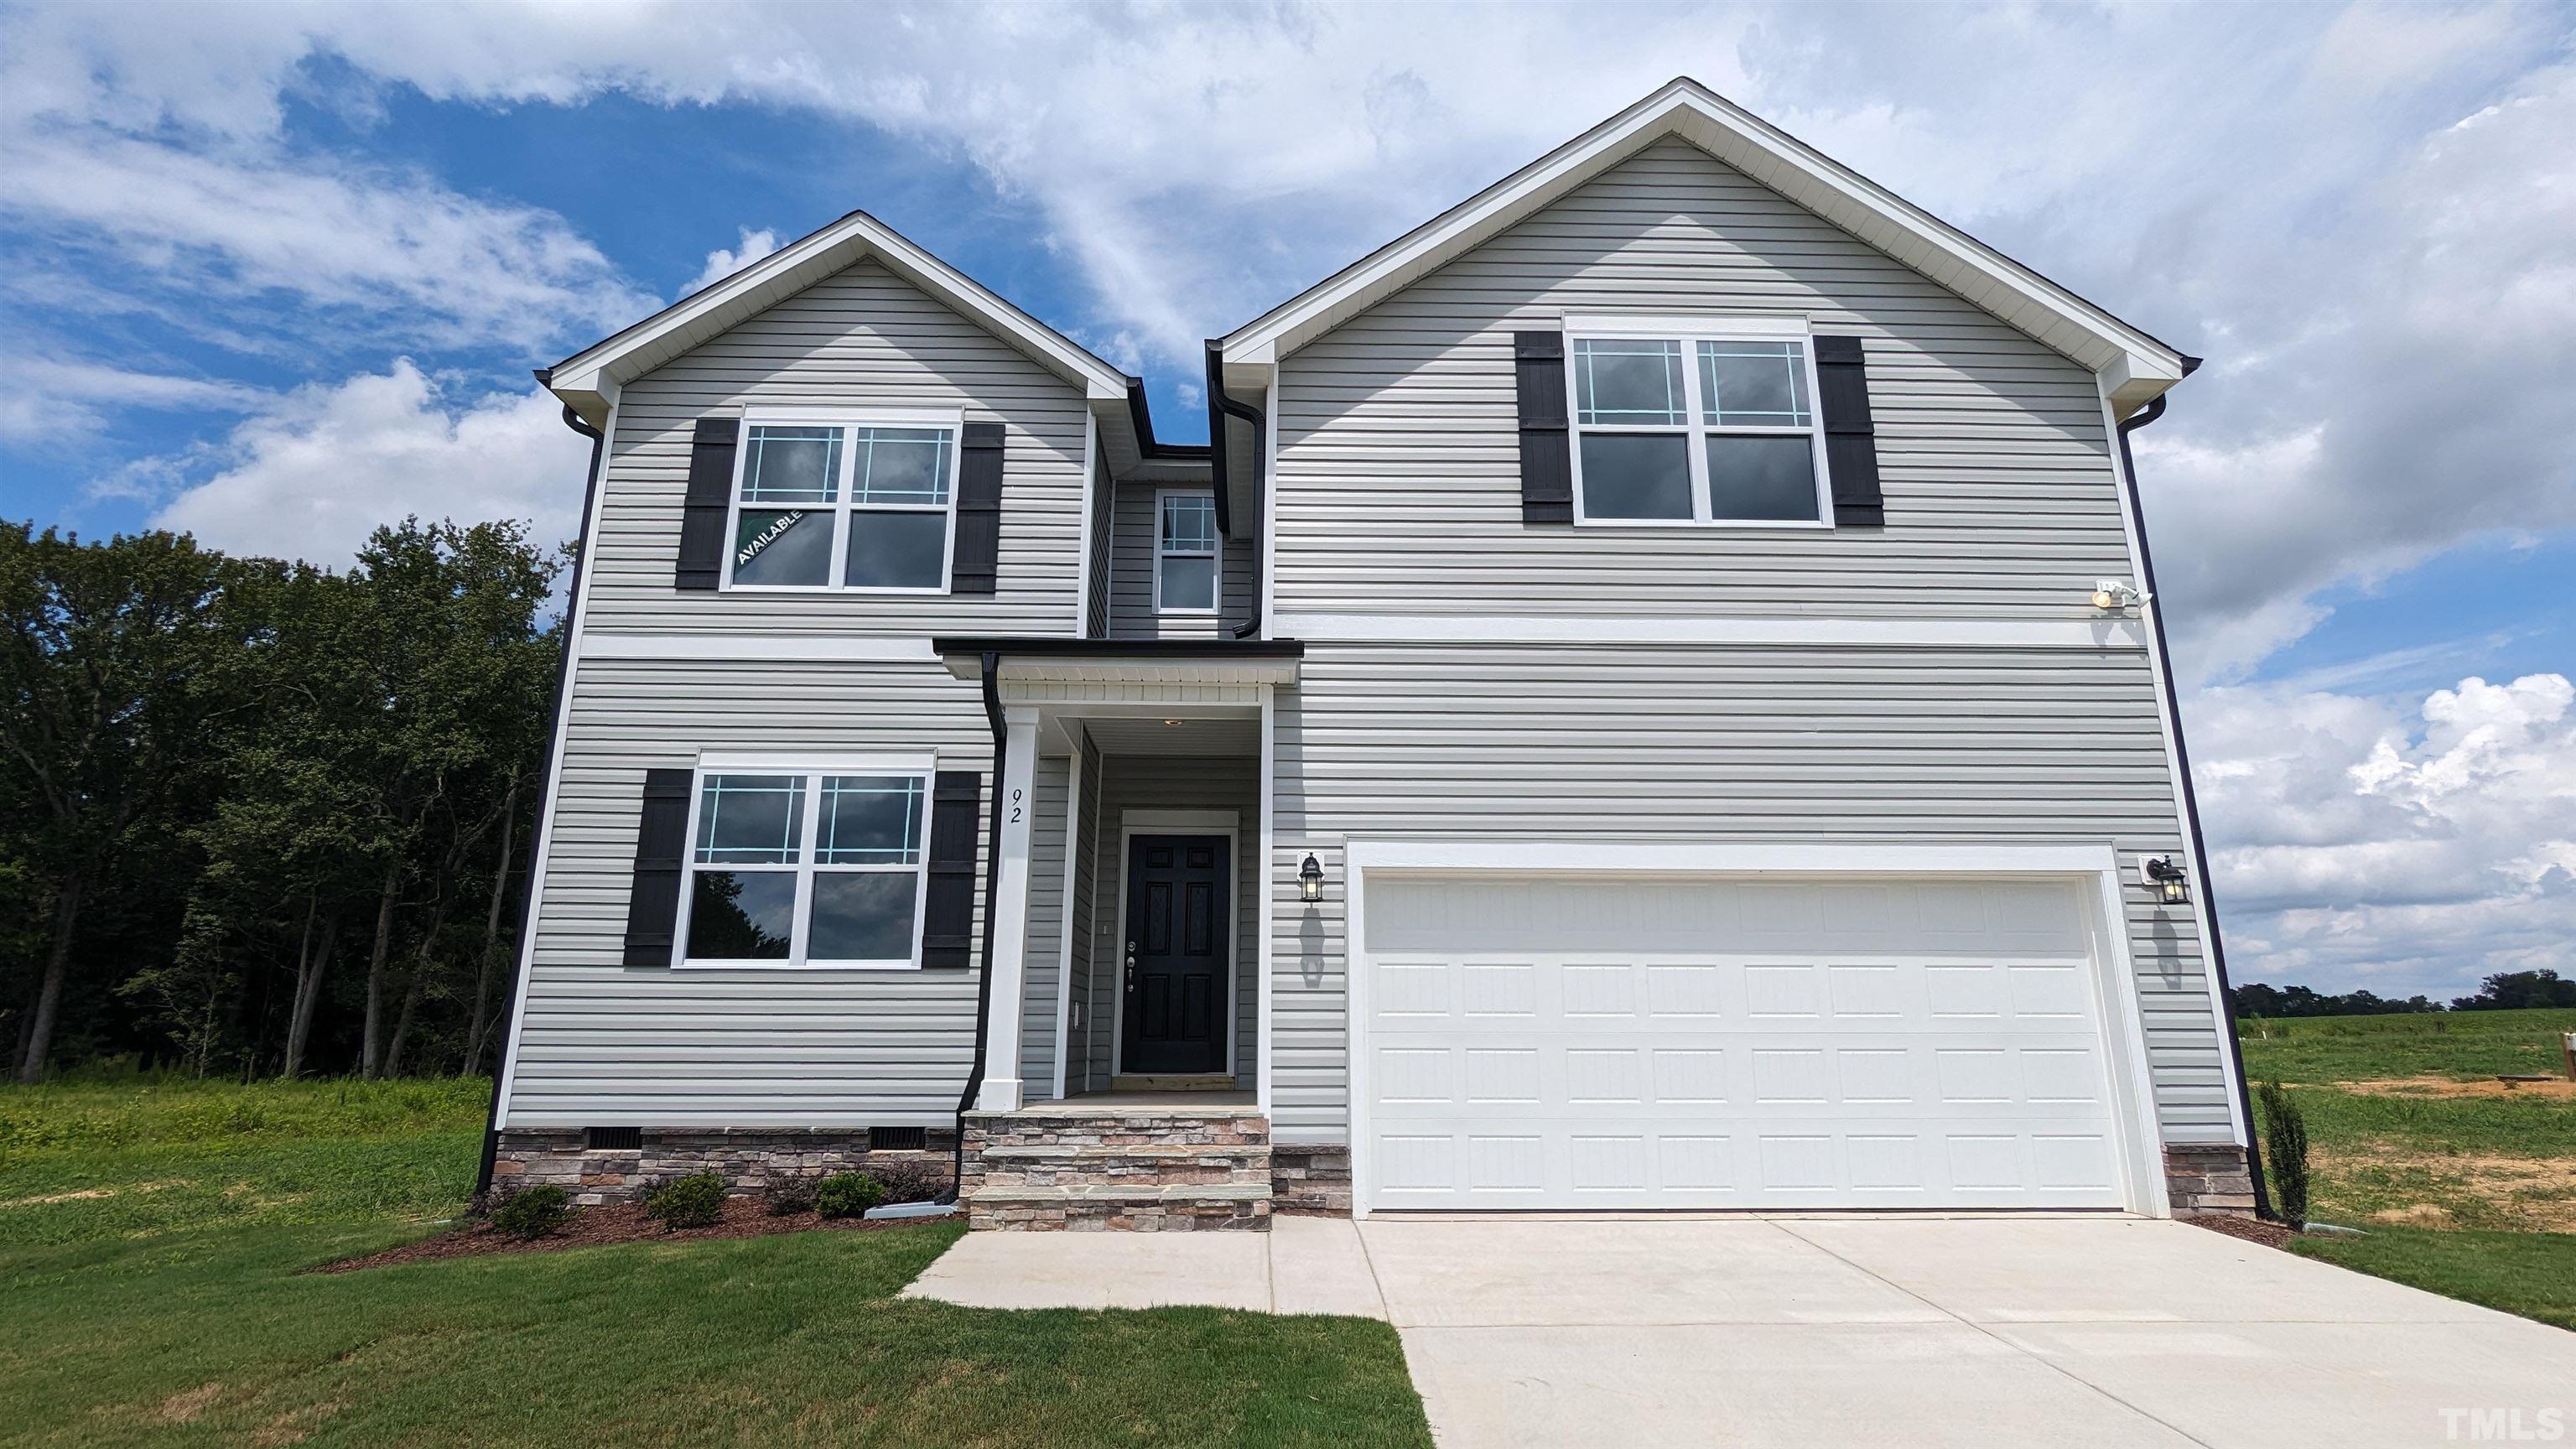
1398	468
1717	743
862	338
1138	782
1397	492
1095	604
1131	576
1048	834
681	1046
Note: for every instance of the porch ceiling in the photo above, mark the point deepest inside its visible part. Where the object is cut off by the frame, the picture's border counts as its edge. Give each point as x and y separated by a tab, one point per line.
1197	737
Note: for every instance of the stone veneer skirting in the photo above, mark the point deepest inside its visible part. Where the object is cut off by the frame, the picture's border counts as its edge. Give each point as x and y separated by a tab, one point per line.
2205	1178
748	1159
1311	1177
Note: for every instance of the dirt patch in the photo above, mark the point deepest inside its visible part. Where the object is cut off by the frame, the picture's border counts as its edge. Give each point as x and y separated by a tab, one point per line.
2555	1089
2537	1193
2252	1230
87	1194
184	1408
598	1226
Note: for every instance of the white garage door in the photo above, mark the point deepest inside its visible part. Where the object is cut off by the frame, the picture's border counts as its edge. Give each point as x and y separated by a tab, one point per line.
1554	1042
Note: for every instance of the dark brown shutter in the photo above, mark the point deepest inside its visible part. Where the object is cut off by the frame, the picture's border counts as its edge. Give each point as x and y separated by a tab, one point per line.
653	902
948	916
1851	442
977	561
702	519
1547	457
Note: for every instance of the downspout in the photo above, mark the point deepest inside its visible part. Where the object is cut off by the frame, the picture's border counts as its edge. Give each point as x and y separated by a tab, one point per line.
545	774
2191	805
1222	405
992	918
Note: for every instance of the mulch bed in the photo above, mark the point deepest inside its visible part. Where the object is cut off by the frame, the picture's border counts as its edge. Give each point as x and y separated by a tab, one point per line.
592	1227
2252	1230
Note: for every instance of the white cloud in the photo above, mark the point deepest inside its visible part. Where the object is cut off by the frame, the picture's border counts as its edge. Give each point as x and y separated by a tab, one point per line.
722	263
2359	215
2355	846
312	478
50	399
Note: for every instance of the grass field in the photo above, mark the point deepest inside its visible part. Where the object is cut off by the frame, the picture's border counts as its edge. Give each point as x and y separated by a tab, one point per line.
2464	1185
152	1236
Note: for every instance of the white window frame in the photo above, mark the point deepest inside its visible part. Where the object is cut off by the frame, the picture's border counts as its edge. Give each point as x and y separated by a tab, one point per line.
846	420
1690	332
811	769
1215	556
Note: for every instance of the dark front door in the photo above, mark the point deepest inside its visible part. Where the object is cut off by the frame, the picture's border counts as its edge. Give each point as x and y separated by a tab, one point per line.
1175	954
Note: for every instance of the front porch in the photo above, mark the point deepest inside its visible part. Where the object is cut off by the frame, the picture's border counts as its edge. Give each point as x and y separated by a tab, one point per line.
1122	1033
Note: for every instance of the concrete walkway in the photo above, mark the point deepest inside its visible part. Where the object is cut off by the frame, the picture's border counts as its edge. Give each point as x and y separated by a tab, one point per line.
1844	1330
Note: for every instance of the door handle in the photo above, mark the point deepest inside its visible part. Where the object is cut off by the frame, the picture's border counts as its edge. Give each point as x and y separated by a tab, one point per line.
1131	968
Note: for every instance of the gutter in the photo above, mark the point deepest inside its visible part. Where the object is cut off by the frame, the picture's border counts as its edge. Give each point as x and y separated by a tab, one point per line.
1222	405
992	918
2190	799
545	771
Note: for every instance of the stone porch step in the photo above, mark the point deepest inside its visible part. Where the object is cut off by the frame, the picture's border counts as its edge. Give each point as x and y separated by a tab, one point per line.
1104	1193
1126	1151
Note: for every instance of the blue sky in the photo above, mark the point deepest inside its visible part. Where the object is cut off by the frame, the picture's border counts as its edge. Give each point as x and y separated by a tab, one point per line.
275	273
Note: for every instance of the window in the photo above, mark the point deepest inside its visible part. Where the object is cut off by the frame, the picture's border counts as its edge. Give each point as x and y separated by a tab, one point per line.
1185	553
1700	427
807	869
831	505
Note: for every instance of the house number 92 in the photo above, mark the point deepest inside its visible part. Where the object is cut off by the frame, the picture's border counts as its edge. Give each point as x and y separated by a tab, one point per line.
1016	797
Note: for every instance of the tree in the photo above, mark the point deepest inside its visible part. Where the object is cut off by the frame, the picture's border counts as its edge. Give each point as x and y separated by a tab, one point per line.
118	661
2519	991
282	773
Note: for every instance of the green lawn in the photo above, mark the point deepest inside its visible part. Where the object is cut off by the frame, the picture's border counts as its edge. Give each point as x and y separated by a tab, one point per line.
151	1237
2463	1187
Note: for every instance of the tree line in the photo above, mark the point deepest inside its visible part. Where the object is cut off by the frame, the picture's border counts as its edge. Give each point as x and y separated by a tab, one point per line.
2507	991
258	817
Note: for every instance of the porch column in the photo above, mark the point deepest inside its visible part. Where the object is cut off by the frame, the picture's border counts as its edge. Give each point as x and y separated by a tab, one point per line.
1016	779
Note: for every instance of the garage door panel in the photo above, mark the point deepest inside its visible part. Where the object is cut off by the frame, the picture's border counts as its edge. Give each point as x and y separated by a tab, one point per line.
1633	1163
1849	1043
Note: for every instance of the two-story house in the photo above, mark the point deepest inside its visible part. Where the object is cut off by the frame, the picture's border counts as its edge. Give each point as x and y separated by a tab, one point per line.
1651	701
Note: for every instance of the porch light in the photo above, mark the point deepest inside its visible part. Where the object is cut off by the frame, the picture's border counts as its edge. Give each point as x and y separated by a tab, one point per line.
2167	878
1310	880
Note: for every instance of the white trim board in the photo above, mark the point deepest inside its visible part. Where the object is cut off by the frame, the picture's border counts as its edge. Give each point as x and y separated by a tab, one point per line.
2115	980
2169	737
541	853
1143	821
763	648
587	378
2101	632
2138	366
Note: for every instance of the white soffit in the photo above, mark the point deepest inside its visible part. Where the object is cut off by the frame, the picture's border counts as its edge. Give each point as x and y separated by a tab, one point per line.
589	377
2136	366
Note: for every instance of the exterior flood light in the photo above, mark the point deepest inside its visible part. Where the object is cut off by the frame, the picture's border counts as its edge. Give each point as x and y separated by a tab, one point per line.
2166	878
2110	596
1310	880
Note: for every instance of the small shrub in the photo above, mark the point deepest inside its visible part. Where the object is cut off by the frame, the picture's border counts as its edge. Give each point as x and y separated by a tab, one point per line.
789	1196
534	1213
2285	1139
695	1201
912	1181
849	1194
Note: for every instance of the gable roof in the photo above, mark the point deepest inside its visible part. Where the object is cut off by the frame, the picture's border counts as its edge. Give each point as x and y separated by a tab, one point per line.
2135	366
585	378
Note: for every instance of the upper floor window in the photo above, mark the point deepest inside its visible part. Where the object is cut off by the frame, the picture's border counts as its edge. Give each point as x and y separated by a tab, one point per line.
1185	552
1683	423
824	868
843	505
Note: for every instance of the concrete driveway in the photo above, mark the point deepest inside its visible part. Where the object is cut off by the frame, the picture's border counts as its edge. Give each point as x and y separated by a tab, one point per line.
1847	1331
